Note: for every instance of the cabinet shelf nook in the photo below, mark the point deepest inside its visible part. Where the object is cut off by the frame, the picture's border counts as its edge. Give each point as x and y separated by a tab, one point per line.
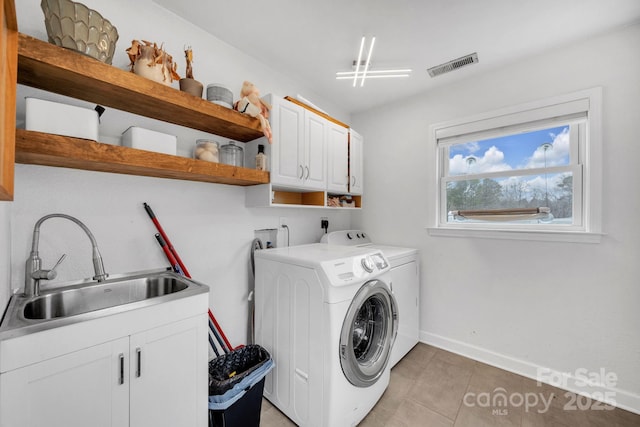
54	69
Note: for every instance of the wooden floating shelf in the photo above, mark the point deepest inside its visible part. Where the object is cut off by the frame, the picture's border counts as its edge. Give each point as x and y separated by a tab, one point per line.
45	66
45	149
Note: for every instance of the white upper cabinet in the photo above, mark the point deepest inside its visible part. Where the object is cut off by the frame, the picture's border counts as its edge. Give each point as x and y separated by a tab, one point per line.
315	174
356	177
338	165
287	125
308	160
298	152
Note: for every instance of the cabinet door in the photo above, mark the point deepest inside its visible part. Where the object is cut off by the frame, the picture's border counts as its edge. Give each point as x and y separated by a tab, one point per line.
287	156
356	178
315	149
169	375
89	387
338	152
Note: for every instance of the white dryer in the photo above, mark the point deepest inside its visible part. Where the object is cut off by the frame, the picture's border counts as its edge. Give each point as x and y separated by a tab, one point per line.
405	284
328	318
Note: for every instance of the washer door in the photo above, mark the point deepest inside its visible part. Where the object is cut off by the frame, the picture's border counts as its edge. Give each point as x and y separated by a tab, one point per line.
368	332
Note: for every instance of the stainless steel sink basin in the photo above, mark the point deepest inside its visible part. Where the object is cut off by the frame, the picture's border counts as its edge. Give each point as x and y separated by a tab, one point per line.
79	301
106	294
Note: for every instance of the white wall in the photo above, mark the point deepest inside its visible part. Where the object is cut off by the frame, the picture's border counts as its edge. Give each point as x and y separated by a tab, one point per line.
207	223
521	304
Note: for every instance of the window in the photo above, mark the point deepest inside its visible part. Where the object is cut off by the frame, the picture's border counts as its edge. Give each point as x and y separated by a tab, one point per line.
530	171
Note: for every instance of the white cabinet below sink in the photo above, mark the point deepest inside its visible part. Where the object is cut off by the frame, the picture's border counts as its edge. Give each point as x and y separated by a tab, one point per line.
76	389
147	367
165	371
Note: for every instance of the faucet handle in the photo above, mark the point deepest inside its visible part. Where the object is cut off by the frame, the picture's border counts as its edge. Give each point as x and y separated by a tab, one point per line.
58	263
48	274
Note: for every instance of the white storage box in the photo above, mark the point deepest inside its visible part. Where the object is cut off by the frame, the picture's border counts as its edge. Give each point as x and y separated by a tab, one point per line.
61	119
150	140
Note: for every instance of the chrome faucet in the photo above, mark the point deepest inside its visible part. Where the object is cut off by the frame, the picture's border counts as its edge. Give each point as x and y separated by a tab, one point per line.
33	271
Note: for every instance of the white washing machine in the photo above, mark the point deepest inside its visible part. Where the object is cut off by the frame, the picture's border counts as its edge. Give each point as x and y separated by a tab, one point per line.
328	318
405	284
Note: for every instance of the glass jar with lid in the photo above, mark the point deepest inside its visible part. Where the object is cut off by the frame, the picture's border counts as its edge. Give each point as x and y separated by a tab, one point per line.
231	154
207	150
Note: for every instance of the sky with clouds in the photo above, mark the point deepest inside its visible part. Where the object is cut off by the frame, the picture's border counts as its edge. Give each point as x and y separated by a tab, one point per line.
512	152
515	152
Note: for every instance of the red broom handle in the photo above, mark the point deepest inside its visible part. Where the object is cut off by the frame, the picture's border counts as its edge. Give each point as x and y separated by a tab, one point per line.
222	335
166	239
172	260
170	252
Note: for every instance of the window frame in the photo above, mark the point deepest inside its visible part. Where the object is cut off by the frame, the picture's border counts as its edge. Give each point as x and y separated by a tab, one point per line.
581	108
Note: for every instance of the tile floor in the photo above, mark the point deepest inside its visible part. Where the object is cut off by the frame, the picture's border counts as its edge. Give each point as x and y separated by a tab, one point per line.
428	388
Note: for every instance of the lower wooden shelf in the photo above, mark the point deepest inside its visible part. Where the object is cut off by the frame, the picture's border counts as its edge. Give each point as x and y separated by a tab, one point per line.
270	195
45	149
292	197
356	201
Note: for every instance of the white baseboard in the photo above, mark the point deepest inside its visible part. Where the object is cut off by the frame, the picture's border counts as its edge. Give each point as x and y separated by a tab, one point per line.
576	382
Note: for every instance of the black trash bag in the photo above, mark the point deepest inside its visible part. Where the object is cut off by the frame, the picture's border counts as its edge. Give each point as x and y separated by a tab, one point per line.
229	369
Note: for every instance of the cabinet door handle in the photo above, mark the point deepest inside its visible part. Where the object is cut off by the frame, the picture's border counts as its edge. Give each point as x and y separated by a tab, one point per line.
139	359
301	171
307	169
353	179
121	375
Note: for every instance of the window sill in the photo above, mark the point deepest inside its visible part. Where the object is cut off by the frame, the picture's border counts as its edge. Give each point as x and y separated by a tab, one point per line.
547	236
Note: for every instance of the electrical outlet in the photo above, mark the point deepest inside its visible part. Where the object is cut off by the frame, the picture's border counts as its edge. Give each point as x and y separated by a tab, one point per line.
283	221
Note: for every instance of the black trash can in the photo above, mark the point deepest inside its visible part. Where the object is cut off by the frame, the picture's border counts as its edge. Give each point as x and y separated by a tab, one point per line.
236	383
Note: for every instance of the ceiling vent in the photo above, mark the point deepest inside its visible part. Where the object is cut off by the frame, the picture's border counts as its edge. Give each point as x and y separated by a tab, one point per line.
453	65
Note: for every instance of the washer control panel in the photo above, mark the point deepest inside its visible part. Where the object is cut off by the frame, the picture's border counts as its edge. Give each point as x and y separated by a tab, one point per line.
380	261
360	267
367	264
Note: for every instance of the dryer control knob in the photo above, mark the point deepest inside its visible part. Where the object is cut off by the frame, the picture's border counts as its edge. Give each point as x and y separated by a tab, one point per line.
367	264
349	236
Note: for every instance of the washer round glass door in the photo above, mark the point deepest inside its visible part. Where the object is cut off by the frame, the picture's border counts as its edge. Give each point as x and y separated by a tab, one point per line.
368	332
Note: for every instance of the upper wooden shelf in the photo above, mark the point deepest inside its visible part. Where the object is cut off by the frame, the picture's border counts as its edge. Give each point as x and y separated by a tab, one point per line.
45	66
54	150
